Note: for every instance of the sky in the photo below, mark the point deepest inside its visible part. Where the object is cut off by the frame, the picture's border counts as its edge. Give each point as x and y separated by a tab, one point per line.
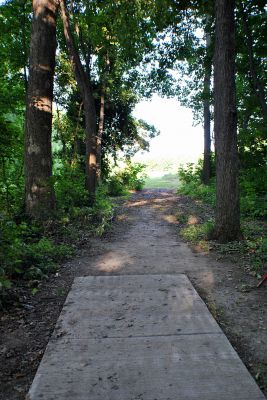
178	138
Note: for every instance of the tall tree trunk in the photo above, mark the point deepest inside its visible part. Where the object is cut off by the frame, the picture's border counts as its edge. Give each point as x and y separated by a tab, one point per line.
227	216
206	172
100	132
88	104
39	193
256	83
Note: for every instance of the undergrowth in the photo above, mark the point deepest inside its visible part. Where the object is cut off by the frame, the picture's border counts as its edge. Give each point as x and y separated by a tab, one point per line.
132	177
253	248
30	251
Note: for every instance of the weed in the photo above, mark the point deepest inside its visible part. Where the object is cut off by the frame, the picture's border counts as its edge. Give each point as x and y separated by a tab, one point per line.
198	232
181	217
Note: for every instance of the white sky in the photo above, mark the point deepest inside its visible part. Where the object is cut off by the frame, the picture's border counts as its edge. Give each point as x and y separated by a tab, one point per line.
178	138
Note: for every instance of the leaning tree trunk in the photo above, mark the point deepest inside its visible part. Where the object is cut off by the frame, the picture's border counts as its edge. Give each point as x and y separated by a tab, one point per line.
39	193
88	104
227	216
206	172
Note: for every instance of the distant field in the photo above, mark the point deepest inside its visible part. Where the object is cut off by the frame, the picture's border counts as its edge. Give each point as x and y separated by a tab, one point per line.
168	181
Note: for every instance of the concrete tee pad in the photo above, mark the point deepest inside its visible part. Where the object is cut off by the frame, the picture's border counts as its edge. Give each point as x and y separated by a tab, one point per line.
139	337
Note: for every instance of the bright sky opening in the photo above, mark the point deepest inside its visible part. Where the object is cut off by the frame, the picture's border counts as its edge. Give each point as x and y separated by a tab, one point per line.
179	140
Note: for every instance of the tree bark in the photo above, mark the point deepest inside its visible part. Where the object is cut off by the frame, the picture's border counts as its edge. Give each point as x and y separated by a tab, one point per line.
206	172
227	216
88	104
39	193
100	132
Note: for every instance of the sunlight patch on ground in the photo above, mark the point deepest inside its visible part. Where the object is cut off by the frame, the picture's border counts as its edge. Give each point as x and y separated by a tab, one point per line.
113	261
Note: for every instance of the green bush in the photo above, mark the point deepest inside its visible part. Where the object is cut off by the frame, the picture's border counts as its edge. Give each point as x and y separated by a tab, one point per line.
25	254
42	257
253	189
132	177
189	173
253	185
191	185
102	210
116	186
70	188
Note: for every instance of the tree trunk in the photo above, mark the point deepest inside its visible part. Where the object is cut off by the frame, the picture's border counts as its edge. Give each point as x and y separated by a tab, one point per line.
39	193
206	172
227	216
88	104
100	133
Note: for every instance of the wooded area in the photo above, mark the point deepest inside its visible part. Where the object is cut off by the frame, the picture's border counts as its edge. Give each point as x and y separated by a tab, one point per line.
71	74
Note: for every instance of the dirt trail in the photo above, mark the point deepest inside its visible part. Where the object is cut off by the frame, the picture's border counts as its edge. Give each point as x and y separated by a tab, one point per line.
143	241
148	244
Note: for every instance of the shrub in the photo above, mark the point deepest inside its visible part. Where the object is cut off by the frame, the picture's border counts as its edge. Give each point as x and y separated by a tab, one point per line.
132	177
41	257
24	253
102	210
116	186
191	184
70	188
253	188
253	185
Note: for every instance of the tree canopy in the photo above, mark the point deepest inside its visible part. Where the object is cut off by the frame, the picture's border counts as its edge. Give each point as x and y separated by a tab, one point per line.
109	56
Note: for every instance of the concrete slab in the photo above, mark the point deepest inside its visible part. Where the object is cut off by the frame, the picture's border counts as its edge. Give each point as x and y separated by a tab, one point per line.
139	338
123	306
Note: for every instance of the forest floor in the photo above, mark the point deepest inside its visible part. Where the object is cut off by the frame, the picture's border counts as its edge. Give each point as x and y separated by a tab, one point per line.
144	239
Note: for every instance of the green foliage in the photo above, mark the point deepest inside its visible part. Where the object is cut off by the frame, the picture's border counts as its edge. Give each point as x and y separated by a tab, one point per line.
197	232
102	210
123	43
132	177
253	187
41	257
191	185
116	186
254	249
70	187
253	184
257	248
25	253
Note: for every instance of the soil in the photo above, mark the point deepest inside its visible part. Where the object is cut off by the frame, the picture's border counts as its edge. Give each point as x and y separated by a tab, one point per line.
144	239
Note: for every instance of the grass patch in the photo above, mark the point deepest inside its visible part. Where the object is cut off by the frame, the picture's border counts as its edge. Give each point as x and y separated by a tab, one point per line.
168	181
197	233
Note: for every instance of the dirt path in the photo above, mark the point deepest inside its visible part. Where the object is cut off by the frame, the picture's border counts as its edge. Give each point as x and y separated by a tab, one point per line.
143	241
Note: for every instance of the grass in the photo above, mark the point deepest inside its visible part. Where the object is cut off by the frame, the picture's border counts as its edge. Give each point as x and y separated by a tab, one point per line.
168	181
